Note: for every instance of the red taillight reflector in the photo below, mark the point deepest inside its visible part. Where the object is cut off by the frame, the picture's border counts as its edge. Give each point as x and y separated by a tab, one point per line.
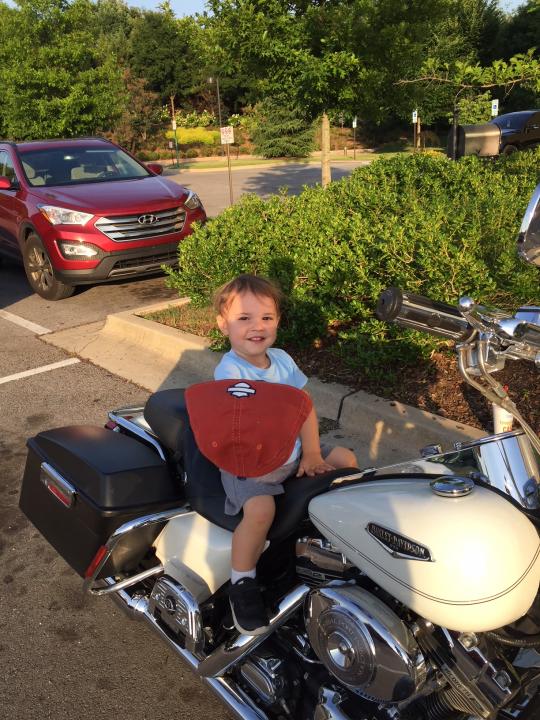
64	499
111	425
98	557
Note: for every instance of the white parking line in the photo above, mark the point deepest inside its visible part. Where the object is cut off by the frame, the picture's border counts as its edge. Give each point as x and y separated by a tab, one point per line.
37	329
36	371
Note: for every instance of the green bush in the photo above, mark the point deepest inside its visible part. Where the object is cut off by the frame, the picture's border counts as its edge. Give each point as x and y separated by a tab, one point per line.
193	136
423	223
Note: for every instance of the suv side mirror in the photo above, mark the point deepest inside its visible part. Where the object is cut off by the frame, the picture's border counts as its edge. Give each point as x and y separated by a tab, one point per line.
155	168
5	183
528	242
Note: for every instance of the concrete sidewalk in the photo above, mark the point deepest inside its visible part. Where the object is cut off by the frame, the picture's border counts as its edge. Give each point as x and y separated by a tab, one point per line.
157	357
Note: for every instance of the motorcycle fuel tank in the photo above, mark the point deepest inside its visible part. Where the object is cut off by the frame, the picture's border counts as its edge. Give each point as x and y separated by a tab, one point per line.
469	563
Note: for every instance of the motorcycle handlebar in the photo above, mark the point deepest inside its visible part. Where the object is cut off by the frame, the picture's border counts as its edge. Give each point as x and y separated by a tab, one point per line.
420	313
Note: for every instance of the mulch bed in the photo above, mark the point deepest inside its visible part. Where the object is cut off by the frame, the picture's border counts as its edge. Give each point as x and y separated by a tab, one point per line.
436	386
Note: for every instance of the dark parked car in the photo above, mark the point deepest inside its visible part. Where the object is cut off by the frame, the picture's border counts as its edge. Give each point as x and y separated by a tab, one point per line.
519	130
85	211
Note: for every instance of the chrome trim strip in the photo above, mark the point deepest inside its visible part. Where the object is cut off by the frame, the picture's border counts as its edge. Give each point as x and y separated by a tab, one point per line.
347	478
137	430
52	478
125	529
128	582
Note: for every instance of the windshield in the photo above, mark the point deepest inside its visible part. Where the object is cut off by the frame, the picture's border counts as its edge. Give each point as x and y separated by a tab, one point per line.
73	166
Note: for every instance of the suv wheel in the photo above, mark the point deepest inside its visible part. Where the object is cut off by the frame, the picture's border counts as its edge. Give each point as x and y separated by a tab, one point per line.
509	149
40	273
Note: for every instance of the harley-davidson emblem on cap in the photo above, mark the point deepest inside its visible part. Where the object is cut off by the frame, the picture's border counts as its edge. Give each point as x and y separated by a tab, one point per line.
241	390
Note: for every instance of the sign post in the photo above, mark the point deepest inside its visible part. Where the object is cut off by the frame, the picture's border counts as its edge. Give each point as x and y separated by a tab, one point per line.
354	123
176	143
415	127
227	138
494	107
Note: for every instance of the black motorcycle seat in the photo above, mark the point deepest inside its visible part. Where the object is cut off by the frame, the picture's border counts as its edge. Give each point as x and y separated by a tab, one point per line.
205	492
166	414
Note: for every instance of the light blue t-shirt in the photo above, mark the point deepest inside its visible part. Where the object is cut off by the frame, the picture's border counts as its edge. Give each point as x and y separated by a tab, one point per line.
282	370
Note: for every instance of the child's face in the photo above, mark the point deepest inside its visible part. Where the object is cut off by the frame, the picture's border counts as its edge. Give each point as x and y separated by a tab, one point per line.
250	322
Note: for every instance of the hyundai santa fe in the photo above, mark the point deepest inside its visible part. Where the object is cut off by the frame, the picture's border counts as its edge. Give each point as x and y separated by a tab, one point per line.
85	211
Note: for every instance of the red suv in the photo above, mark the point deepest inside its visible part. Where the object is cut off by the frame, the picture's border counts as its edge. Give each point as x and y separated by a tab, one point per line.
85	211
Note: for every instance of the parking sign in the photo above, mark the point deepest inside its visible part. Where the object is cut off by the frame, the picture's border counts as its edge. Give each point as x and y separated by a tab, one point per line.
494	107
227	135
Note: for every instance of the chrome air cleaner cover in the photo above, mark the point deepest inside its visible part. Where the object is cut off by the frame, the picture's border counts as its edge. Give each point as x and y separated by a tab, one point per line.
363	643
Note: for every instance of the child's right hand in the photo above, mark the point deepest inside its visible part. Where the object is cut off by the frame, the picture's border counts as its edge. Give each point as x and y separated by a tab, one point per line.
311	464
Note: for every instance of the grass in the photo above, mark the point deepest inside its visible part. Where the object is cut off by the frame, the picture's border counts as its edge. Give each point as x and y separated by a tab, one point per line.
197	320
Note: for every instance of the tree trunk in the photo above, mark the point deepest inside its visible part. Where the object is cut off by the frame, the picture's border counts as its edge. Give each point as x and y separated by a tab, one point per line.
326	176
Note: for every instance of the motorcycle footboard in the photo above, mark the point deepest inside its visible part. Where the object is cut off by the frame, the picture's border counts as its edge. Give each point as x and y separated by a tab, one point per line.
81	483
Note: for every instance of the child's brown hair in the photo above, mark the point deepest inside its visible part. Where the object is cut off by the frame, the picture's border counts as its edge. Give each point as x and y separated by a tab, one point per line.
244	283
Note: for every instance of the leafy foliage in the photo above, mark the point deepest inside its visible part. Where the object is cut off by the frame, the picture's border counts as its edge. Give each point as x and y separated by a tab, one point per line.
423	223
281	131
61	83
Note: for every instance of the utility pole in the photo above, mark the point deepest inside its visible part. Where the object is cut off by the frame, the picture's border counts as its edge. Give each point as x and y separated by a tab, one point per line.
173	122
211	80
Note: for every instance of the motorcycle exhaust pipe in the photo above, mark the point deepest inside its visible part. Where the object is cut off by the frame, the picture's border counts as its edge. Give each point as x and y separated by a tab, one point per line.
213	666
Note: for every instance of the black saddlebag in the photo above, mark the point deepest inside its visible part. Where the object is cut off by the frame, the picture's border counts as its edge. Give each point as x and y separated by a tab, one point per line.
81	483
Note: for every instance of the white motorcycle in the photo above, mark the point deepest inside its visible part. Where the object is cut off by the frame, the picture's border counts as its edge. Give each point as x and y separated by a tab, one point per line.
407	592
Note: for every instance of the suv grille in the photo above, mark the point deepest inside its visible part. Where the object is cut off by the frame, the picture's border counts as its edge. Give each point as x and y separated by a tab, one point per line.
142	226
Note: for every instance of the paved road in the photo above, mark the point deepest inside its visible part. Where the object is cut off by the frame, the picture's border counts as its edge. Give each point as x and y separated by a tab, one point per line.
213	185
64	658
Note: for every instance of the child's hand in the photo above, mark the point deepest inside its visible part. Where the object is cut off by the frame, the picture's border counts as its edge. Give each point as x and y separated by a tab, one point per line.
312	463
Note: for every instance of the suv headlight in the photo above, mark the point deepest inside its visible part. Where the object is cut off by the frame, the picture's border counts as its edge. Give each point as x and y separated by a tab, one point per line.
193	201
64	216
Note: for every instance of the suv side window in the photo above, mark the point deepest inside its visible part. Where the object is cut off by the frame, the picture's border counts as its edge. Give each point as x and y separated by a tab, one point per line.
534	124
6	166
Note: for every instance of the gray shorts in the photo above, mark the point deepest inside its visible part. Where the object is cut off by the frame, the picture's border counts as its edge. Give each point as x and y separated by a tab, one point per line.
240	490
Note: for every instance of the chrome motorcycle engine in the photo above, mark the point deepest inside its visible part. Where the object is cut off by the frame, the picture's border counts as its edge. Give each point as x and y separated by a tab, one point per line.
364	644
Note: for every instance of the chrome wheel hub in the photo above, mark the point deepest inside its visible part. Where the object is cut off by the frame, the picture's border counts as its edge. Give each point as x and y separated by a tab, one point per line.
40	268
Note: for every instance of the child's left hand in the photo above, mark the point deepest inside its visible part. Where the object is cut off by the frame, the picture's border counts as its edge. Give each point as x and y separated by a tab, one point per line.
313	464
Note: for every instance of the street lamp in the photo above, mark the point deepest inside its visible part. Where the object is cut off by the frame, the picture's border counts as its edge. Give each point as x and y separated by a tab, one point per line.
211	80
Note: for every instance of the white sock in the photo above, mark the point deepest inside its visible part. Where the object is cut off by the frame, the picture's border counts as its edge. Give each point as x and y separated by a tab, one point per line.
237	575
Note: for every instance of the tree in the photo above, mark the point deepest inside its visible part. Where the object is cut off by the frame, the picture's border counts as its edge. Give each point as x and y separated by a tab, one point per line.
164	51
54	80
141	115
281	131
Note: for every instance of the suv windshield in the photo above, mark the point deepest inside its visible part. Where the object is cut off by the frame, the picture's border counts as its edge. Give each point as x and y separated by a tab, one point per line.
72	166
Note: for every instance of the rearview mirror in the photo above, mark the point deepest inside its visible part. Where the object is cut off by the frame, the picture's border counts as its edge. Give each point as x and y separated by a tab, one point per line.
528	242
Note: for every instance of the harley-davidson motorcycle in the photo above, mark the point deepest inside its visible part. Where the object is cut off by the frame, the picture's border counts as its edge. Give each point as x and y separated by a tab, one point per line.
408	592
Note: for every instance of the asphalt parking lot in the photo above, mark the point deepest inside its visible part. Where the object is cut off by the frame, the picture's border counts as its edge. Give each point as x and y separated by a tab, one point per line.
63	656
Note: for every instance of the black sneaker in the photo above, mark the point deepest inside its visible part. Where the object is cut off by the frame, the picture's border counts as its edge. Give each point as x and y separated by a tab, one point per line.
248	611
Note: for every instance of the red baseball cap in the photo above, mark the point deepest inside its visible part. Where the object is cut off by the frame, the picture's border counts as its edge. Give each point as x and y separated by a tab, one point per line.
246	427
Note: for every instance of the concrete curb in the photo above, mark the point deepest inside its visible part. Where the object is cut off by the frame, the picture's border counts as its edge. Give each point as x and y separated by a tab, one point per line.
156	357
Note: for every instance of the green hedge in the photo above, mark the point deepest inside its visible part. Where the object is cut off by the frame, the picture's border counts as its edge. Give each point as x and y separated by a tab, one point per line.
192	136
423	223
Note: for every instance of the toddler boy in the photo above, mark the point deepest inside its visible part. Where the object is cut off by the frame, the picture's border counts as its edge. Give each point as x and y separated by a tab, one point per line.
248	310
